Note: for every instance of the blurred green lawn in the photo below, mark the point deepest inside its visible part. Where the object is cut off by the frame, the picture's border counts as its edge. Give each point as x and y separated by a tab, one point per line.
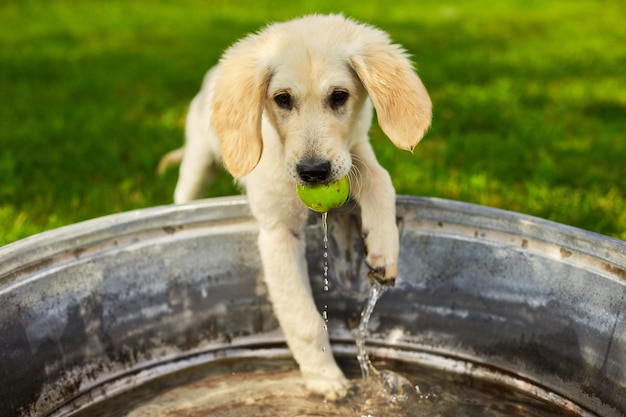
529	96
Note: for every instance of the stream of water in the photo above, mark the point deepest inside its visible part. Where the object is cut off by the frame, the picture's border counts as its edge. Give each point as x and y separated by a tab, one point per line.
383	392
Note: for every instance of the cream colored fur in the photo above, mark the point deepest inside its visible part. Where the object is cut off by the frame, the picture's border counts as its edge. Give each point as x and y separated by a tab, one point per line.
236	120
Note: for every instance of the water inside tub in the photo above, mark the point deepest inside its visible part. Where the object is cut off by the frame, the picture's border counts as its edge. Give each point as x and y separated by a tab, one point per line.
264	387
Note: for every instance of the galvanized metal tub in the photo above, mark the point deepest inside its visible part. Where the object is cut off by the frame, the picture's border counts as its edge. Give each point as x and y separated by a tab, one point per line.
99	307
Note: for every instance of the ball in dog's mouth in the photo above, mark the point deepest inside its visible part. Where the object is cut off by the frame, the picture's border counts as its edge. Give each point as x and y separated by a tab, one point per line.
324	197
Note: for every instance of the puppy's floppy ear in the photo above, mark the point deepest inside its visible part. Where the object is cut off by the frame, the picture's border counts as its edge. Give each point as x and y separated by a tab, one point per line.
238	105
402	103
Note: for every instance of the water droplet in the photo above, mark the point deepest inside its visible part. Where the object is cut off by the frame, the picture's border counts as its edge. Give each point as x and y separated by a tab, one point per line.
326	282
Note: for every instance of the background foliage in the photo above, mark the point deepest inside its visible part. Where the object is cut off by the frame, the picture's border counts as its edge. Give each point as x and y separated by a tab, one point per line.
530	102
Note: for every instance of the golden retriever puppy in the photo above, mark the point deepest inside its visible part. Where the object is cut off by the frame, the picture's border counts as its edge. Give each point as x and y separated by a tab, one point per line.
293	104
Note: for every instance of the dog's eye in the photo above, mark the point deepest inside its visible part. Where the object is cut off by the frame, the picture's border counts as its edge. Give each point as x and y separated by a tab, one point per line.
338	98
284	101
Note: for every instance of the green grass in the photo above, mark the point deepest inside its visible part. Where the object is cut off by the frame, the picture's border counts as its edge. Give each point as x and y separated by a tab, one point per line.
530	102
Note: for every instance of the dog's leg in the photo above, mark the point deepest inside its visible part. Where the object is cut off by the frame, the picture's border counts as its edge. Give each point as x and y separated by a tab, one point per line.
282	247
282	253
196	171
377	199
197	166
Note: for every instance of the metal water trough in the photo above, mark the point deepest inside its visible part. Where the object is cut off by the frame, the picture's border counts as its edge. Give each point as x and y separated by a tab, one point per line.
93	309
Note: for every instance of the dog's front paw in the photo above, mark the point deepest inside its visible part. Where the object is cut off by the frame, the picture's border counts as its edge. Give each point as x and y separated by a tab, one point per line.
331	388
382	255
381	271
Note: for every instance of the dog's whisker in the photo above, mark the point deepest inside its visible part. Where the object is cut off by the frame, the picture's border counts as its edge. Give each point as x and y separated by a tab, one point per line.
354	178
355	175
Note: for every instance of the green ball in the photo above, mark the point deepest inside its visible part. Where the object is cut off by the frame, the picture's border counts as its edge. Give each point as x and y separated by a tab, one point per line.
324	197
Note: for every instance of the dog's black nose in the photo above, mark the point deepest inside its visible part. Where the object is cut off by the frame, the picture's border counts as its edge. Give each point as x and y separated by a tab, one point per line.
314	172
